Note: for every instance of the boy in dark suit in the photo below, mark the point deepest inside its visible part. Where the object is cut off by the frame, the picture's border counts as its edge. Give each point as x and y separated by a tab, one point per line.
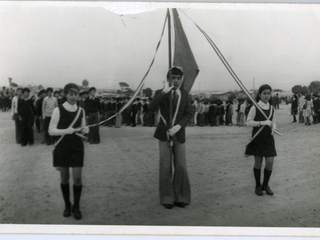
26	112
93	110
174	190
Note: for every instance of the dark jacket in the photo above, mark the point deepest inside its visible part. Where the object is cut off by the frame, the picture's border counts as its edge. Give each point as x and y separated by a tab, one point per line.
294	104
185	113
25	107
92	105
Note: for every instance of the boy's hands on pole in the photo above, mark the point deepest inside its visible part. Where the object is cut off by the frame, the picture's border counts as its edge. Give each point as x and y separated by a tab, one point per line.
174	130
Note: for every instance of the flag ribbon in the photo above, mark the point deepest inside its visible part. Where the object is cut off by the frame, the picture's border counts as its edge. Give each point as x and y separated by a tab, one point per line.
140	84
230	70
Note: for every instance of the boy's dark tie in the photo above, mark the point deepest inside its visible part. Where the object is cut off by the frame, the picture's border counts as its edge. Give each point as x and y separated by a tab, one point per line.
174	98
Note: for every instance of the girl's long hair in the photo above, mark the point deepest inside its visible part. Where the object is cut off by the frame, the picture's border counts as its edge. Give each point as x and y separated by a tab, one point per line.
261	89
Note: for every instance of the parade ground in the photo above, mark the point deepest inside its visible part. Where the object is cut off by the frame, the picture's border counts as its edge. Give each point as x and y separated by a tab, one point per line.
120	179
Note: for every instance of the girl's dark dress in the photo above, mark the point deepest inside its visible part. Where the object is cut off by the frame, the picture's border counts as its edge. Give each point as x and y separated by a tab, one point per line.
70	151
263	145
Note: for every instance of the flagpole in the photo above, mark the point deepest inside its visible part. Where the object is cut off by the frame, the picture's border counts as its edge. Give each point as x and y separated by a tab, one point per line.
170	66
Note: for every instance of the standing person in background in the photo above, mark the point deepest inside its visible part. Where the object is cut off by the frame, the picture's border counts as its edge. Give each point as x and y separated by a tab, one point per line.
134	110
301	101
92	109
200	111
118	118
191	123
26	112
212	113
218	113
316	106
222	112
69	152
62	97
14	114
262	145
38	107
126	112
294	107
229	113
174	186
248	107
278	101
82	97
307	110
48	105
242	113
195	117
139	110
237	110
56	94
145	110
150	116
206	113
109	112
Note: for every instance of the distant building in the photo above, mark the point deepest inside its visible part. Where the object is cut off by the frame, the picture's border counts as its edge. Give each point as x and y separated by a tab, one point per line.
223	96
242	94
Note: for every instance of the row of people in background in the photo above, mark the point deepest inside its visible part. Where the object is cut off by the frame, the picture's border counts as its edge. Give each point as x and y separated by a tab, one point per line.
27	112
210	113
215	113
307	107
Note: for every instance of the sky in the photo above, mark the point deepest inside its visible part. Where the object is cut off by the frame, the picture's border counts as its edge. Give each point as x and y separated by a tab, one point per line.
53	44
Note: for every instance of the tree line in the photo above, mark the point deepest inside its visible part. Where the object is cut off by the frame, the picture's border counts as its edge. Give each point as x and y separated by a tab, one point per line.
314	87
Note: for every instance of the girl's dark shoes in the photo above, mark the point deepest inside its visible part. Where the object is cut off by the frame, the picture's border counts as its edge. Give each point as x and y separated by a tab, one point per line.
268	190
76	213
67	211
258	191
168	206
180	204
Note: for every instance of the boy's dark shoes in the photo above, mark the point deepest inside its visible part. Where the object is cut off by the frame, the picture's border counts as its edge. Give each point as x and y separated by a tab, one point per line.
180	204
268	190
168	206
258	191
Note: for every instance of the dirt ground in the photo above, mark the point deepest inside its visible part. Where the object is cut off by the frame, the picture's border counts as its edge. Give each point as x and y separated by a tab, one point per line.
120	179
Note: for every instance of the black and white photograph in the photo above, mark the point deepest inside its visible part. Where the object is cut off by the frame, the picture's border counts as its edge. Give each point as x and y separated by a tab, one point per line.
160	115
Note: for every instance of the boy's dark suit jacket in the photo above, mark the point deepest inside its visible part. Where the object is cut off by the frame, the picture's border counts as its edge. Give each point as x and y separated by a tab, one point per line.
185	113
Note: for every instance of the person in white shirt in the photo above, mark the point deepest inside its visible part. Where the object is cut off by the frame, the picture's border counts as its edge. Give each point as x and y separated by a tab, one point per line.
14	114
48	105
262	144
301	102
67	121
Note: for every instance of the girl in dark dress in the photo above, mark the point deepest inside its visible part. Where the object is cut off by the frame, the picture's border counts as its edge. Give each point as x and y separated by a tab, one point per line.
69	152
262	144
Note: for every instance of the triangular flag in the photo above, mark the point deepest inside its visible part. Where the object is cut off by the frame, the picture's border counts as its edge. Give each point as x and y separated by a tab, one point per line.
183	56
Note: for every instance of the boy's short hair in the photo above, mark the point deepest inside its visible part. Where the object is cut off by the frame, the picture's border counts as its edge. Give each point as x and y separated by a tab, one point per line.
82	93
174	71
19	88
41	92
71	87
92	89
26	90
49	90
55	92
